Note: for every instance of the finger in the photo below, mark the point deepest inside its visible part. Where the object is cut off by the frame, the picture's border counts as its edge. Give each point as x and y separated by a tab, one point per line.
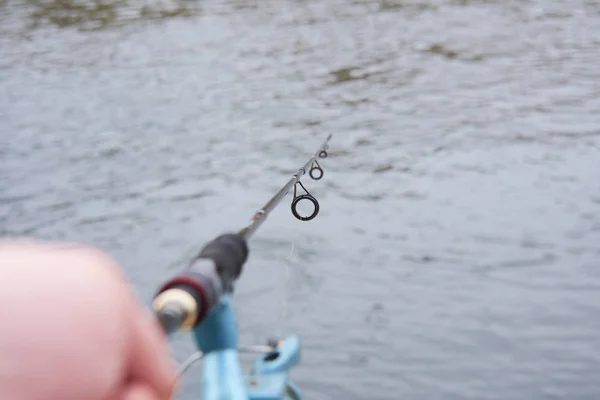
64	274
138	391
150	359
52	317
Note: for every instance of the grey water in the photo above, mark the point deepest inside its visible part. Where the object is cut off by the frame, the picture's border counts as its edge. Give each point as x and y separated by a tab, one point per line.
457	251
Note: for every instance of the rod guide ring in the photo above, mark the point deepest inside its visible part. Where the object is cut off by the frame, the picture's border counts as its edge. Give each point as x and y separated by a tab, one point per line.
312	170
310	198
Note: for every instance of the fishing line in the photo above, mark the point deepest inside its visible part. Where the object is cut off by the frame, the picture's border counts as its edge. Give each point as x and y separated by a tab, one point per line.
286	279
182	368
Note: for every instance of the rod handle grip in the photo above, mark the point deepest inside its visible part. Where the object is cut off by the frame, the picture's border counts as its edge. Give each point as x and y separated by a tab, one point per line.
229	252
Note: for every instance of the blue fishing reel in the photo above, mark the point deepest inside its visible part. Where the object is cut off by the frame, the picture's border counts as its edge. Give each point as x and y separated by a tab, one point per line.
268	379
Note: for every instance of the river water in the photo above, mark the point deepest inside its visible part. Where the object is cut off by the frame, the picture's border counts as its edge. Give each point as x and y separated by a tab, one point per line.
457	251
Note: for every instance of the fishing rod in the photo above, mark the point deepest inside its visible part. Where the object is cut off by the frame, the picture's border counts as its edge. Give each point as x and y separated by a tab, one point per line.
199	299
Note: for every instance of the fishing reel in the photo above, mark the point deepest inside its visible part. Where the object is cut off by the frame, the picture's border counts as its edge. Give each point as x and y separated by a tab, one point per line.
316	173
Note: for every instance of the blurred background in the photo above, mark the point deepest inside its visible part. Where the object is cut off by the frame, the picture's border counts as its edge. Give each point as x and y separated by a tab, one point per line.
457	251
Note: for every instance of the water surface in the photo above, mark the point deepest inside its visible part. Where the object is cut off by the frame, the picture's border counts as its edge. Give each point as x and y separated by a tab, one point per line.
456	255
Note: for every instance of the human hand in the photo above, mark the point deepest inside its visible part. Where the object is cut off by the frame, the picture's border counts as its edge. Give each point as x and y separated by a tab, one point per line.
72	329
